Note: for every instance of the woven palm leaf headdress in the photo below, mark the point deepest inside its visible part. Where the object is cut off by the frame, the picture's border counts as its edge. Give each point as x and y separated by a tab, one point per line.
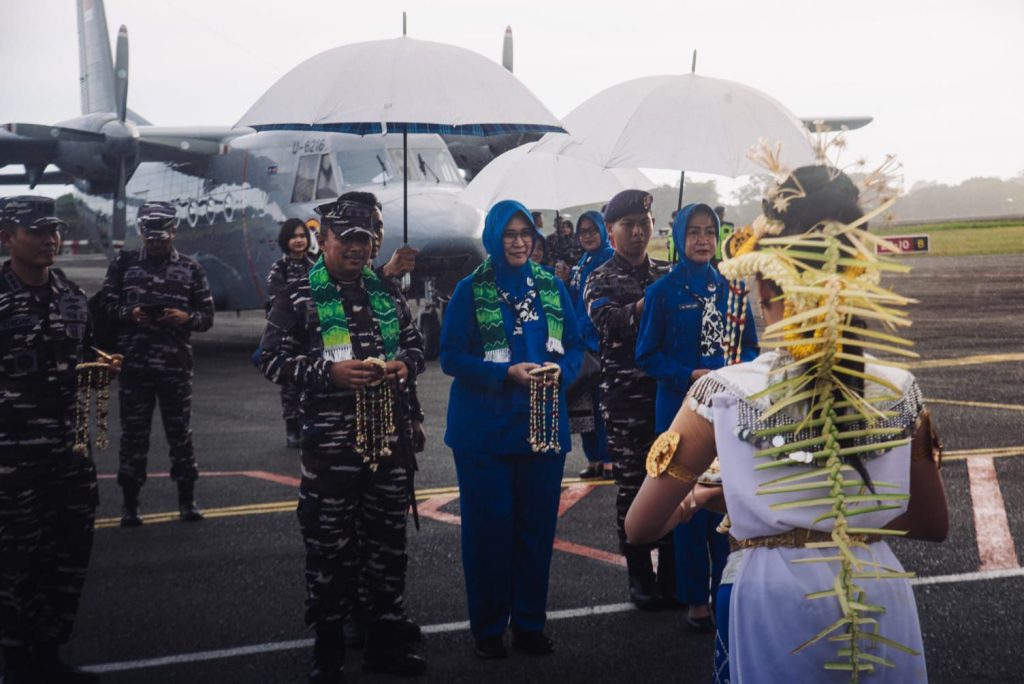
812	242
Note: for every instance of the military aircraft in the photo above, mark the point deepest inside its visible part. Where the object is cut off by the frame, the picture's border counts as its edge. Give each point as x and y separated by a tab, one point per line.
233	186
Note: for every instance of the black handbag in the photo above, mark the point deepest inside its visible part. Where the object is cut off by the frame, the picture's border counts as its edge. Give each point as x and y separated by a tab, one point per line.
586	380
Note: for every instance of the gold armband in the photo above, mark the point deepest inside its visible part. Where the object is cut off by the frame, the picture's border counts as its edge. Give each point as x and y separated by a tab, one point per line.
929	448
659	458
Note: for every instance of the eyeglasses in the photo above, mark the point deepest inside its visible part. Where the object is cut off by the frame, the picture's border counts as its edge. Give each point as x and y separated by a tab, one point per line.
511	237
589	232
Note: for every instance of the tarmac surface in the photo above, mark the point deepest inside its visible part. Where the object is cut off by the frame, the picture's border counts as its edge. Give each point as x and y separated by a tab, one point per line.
222	600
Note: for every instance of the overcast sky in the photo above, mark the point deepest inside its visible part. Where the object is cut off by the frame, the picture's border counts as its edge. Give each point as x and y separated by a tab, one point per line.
944	80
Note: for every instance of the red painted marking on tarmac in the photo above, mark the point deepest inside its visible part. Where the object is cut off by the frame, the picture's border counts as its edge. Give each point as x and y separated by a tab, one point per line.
995	544
429	509
590	552
571	495
211	473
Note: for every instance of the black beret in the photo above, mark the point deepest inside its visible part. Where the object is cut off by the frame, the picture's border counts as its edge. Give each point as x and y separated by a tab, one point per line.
627	202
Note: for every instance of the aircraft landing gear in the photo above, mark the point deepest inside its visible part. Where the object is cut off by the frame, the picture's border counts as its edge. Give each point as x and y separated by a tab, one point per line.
430	326
430	320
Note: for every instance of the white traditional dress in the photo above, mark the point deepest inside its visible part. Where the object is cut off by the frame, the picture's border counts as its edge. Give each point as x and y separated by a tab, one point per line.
769	615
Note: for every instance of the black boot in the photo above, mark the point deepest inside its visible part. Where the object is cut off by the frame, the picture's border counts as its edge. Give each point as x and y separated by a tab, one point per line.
667	584
18	666
643	587
293	435
187	509
355	634
328	657
53	670
386	652
130	509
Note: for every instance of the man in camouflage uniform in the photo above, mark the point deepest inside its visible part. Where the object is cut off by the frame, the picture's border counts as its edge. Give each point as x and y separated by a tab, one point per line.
158	297
47	491
352	502
614	297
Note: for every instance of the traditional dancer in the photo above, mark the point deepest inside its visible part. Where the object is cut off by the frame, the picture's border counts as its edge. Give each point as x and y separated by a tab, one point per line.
820	446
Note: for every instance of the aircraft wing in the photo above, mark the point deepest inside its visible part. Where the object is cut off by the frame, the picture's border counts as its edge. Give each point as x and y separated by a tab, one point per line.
826	124
36	146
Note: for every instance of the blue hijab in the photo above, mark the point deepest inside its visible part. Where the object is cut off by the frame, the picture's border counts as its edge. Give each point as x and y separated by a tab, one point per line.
590	260
689	274
509	278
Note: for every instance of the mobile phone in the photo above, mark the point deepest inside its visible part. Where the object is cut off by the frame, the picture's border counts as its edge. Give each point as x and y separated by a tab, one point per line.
154	311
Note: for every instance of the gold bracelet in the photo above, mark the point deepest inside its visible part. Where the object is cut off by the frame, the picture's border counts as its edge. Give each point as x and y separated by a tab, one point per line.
659	459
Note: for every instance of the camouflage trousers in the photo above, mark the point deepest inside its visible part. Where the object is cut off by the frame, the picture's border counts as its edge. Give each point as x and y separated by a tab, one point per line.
47	512
291	397
353	526
629	441
139	394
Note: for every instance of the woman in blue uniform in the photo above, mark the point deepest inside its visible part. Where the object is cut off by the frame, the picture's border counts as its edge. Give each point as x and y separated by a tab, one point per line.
585	412
508	317
681	338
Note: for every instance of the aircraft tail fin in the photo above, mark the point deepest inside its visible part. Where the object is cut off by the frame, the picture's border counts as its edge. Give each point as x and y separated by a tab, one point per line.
95	63
506	49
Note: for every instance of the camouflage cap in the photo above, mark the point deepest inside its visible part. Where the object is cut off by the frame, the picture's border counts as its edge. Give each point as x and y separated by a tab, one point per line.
345	217
156	220
32	212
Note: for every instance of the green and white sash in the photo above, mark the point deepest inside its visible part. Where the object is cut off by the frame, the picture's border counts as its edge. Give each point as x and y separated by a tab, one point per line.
488	312
333	324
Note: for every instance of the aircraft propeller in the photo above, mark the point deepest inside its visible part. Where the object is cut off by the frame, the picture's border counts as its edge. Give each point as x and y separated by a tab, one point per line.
106	148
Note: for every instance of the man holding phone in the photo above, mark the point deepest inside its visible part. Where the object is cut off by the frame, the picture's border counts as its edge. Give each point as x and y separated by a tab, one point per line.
158	297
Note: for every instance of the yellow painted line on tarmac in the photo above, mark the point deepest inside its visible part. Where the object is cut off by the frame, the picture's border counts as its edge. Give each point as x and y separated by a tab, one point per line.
998	452
289	506
976	404
967	360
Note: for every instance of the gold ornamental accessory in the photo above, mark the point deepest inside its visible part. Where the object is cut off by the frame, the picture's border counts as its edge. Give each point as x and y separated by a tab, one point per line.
544	383
375	417
659	459
92	384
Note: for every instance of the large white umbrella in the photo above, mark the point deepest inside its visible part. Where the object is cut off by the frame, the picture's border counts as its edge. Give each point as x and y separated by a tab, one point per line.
544	180
681	122
401	85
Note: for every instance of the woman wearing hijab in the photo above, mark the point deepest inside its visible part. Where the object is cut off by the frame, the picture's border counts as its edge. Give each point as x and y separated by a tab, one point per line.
680	340
585	413
510	316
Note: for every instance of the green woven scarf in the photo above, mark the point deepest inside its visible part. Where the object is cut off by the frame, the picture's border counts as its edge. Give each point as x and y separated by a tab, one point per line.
334	326
488	314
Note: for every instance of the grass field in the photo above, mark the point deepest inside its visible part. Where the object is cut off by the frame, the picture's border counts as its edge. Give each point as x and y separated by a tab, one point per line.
946	239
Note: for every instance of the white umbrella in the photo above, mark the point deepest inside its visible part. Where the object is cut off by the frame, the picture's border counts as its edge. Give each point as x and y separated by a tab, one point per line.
682	122
543	180
401	85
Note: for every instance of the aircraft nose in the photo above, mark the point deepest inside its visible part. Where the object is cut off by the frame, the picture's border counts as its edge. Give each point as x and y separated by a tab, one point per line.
433	216
446	232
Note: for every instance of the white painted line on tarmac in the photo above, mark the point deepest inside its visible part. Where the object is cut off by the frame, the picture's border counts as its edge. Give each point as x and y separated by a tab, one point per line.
200	656
979	576
295	644
447	627
991	525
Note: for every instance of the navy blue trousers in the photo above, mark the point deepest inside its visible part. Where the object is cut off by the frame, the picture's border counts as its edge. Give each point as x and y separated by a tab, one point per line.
700	557
509	509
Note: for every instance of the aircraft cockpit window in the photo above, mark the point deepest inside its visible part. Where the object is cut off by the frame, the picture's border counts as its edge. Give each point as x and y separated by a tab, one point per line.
326	186
363	167
305	178
427	164
314	179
